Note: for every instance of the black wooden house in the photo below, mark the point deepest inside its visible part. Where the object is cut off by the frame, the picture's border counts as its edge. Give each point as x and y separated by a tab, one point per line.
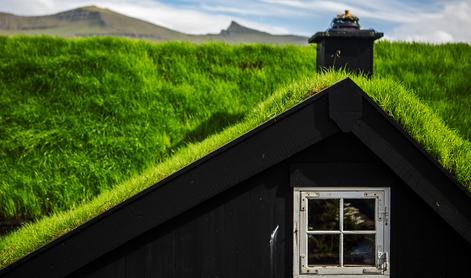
333	187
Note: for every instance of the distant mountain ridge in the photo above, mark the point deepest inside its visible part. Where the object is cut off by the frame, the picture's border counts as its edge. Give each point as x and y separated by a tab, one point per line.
96	21
236	28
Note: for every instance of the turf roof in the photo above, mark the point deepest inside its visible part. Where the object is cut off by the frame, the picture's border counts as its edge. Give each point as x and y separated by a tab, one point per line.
80	116
83	115
452	152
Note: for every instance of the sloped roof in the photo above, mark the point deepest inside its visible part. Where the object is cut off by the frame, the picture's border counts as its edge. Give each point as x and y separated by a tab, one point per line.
343	107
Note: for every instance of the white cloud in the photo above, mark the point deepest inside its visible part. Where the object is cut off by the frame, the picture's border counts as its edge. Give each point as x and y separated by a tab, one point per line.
389	11
231	9
186	20
451	24
437	21
251	8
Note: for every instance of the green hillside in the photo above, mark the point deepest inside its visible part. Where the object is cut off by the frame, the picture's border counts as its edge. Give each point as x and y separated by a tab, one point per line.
79	116
438	74
84	21
82	116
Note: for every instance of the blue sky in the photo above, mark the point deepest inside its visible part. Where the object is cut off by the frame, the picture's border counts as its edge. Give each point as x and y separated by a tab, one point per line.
432	20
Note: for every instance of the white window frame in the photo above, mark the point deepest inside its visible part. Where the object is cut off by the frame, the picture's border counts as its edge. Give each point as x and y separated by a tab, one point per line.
300	232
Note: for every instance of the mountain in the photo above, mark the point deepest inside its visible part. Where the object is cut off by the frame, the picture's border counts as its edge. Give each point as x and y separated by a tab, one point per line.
95	21
86	21
238	33
236	28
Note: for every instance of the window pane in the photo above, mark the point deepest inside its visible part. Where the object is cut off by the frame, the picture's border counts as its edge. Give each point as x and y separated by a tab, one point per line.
359	214
358	250
323	250
323	214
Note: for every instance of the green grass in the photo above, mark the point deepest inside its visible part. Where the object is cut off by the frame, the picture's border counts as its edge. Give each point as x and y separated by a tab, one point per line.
80	116
419	120
86	123
438	74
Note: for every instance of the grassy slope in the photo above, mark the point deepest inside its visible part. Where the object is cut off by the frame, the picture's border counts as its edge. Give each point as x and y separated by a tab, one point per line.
438	74
115	107
79	116
418	119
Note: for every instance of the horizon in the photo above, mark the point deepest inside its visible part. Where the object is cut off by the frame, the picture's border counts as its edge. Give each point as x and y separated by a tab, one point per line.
436	21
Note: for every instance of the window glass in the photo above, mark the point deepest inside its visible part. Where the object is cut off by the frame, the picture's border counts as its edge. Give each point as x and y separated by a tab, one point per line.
358	250
323	214
341	233
323	250
359	214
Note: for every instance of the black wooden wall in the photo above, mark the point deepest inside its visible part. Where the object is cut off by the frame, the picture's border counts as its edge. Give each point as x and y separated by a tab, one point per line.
228	236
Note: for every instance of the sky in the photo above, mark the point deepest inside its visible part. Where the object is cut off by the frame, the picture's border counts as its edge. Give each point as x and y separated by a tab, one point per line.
419	20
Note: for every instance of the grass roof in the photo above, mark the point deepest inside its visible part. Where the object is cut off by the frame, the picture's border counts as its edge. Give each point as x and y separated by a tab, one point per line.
452	151
81	116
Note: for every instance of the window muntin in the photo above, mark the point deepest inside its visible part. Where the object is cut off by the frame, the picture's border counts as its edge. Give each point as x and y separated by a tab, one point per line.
341	231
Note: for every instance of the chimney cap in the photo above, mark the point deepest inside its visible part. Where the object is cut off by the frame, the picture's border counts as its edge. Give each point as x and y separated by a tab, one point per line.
345	25
345	21
370	34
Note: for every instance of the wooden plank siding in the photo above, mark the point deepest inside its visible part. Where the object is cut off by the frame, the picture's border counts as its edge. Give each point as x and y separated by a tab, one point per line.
228	236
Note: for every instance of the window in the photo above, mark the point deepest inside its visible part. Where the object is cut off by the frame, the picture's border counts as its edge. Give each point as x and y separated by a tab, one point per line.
341	231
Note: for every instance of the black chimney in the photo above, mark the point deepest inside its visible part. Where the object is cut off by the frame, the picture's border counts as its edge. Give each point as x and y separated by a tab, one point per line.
345	45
